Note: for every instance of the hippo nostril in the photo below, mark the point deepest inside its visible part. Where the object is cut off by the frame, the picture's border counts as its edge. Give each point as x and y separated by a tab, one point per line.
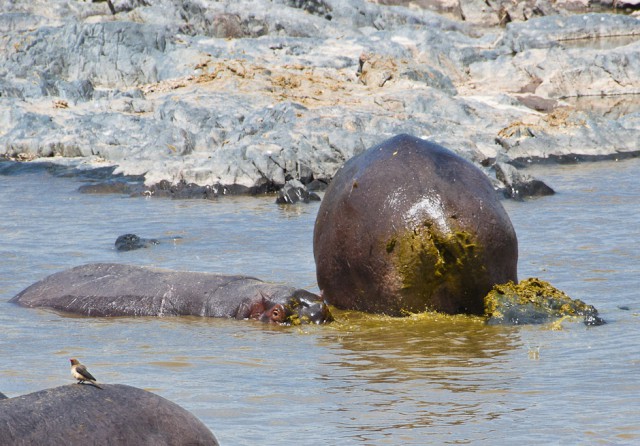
317	313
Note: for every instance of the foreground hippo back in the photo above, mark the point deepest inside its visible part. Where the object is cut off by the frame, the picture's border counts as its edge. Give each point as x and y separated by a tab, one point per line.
408	226
112	289
85	415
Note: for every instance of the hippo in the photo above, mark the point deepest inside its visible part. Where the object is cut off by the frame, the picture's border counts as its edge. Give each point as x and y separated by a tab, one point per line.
130	242
116	414
112	289
409	226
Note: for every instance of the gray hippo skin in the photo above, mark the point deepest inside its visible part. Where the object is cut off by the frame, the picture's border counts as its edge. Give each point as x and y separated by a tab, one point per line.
131	242
409	226
79	414
111	289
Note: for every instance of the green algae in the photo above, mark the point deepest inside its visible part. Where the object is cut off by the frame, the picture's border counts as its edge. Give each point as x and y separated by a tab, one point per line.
534	301
429	262
295	314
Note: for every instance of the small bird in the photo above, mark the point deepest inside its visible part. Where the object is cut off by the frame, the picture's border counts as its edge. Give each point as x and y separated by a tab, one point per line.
80	372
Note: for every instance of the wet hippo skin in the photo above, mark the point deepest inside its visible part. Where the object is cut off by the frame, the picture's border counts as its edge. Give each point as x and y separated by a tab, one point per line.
409	226
116	414
110	289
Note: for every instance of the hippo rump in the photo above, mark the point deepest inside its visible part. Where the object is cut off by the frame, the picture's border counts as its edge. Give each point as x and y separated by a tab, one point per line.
110	289
409	226
83	414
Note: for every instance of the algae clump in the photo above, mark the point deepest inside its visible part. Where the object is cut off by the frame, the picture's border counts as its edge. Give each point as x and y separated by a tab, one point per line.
430	263
534	301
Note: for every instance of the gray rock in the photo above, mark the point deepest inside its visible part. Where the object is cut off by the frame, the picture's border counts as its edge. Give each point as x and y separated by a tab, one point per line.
519	185
545	32
215	97
294	191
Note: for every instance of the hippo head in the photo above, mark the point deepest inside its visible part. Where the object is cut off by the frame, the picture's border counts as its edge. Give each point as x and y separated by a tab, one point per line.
298	307
309	308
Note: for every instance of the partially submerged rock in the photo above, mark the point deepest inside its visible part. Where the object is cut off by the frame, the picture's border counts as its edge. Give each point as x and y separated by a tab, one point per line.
534	301
293	192
519	185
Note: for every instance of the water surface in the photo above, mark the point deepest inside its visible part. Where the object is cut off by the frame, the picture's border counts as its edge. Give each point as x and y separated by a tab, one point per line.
362	380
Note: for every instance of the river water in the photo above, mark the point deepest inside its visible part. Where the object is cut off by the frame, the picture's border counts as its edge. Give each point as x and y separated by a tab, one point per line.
362	380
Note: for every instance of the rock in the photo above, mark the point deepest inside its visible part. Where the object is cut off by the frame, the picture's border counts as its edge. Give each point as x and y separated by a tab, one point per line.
409	226
184	190
534	301
240	97
294	191
545	32
83	414
107	187
519	185
537	103
317	185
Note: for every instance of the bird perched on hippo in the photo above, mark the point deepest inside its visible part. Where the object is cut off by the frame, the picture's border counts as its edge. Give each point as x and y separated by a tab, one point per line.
111	289
80	372
115	415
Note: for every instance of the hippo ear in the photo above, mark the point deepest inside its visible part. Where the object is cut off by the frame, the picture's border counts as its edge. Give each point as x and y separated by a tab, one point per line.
250	310
244	310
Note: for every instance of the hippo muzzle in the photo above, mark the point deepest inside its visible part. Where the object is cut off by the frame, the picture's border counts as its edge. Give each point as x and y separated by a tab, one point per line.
301	307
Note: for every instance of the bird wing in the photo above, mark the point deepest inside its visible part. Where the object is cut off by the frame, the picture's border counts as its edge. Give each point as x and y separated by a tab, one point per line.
82	370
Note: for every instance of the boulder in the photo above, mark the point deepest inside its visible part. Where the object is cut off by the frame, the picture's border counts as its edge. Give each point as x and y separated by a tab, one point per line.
519	185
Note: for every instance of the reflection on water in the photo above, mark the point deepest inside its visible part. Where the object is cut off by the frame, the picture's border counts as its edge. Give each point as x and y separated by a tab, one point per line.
392	375
364	380
600	43
397	347
611	107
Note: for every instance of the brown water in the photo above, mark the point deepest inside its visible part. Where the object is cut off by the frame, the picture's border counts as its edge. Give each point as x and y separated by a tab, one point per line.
362	380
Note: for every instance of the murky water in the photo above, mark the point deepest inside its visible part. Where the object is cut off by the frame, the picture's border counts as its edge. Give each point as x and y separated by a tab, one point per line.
359	381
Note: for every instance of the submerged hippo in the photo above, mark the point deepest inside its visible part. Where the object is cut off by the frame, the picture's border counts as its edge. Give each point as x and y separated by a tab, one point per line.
409	226
131	242
114	414
110	289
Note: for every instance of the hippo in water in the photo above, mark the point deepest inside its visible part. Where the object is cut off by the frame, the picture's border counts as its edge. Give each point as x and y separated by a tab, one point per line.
83	414
110	289
408	226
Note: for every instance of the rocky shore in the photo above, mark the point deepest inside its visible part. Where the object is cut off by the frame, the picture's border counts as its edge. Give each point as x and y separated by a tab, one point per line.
243	96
